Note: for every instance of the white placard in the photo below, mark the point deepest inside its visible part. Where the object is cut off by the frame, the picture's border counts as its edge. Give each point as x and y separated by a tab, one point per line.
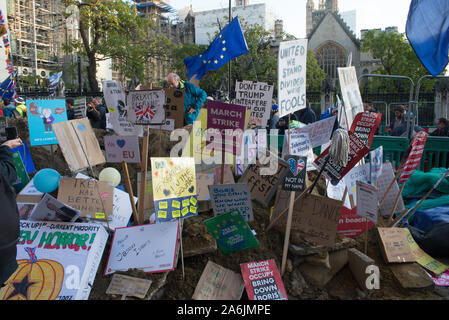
383	182
149	247
358	173
168	125
336	192
299	146
350	92
376	161
292	63
319	132
367	201
122	148
146	107
227	197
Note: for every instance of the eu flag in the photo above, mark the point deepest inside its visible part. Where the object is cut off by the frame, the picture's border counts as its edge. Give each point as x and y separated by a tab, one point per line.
7	89
229	44
427	30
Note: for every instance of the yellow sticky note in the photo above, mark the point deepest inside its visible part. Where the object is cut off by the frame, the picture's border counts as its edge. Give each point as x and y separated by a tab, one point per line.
176	204
163	205
162	214
176	214
185	203
193	201
193	209
100	215
185	211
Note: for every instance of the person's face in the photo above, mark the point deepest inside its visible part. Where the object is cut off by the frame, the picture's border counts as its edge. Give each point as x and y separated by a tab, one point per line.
172	83
334	111
398	114
440	125
366	107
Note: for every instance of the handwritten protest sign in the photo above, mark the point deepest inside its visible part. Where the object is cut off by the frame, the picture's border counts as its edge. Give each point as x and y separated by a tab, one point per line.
65	257
50	209
263	281
414	158
263	187
319	132
350	224
218	283
78	144
79	107
300	145
93	198
115	98
120	149
227	197
256	97
128	286
174	106
146	107
358	173
315	218
295	179
394	245
225	126
367	201
292	76
383	182
151	248
376	161
174	188
350	93
42	115
336	192
231	232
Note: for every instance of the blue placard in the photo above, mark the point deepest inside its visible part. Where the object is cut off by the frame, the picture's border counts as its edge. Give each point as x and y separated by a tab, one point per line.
42	114
26	157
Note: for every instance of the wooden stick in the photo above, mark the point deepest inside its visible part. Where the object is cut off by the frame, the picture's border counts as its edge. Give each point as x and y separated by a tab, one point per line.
366	236
144	174
287	231
182	252
129	189
396	202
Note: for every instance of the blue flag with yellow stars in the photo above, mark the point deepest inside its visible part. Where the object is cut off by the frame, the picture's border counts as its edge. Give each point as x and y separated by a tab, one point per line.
7	90
229	44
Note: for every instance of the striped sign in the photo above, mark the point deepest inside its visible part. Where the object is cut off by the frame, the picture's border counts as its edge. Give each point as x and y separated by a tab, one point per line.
414	158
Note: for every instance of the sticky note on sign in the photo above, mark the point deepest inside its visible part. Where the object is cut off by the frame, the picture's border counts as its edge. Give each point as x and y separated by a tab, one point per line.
162	214
176	204
100	215
185	211
163	205
176	214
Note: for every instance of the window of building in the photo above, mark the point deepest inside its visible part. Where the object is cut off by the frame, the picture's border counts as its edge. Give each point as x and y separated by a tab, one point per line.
331	56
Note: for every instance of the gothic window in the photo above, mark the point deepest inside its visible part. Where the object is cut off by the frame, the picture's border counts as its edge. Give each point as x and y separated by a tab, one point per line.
331	56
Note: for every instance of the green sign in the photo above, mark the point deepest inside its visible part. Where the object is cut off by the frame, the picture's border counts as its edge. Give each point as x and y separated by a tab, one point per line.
22	175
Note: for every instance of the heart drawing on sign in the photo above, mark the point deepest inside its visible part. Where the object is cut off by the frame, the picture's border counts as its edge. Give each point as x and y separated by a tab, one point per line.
296	166
121	143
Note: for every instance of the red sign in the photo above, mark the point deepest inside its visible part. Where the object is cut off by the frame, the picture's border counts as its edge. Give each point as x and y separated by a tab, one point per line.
263	281
350	224
414	158
365	125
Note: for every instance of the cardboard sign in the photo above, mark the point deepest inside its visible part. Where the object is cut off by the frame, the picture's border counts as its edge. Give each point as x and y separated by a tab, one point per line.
128	286
350	224
174	188
367	201
42	116
256	97
115	99
364	126
383	182
394	245
227	197
78	144
146	107
50	209
79	107
333	172
120	149
151	248
26	157
203	181
174	106
263	281
414	158
300	146
231	232
22	176
350	92
376	161
93	198
263	188
225	126
292	76
319	132
315	218
57	261
295	179
218	283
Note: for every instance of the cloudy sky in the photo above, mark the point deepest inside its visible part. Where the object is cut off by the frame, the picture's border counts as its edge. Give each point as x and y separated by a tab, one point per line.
369	13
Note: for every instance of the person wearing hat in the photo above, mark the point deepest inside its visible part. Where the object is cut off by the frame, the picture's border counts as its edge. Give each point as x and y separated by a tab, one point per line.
8	108
21	107
274	115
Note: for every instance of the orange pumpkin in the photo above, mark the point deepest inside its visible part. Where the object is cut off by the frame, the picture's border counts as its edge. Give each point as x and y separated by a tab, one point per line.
34	280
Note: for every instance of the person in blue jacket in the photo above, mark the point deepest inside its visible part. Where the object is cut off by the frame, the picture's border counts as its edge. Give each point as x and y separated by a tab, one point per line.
332	111
194	97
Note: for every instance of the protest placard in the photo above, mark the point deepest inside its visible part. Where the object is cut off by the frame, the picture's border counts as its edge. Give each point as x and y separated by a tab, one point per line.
336	192
254	141
146	107
292	62
128	286
122	148
203	181
174	106
350	93
22	175
78	144
29	194
394	245
231	232
295	179
225	126
115	99
263	187
151	248
25	210
350	224
218	283
42	116
256	97
50	209
364	126
263	281
384	180
414	158
56	261
367	201
93	198
227	197
358	173
167	125
25	153
300	145
376	161
319	132
79	108
174	188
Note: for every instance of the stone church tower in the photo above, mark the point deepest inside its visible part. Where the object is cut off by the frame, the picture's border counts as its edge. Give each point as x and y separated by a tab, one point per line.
313	16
